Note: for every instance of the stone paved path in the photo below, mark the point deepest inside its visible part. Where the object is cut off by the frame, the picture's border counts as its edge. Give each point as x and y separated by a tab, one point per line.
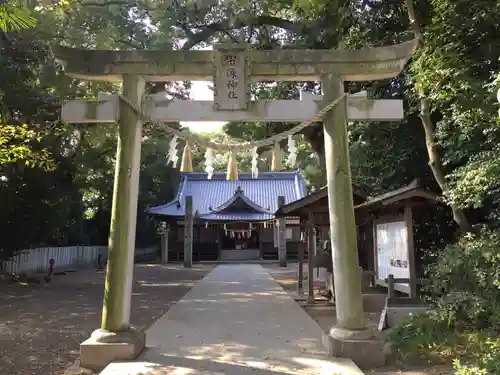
237	320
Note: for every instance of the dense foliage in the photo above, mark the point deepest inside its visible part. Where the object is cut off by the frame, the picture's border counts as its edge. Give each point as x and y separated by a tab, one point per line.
464	319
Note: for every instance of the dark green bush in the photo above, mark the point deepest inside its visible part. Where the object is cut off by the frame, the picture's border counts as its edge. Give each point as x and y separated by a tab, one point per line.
464	322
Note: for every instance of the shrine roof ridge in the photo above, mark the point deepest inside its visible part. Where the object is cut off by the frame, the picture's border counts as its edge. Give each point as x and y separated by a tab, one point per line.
217	176
239	194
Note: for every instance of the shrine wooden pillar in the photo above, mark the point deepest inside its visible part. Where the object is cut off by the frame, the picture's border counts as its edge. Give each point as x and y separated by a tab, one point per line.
282	235
175	228
274	224
260	231
219	239
300	273
310	254
188	232
197	243
164	245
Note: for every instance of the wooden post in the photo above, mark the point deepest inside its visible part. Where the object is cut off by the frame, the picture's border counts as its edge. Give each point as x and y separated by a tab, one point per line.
176	241
310	253
376	275
411	251
198	241
120	267
260	230
275	236
164	246
390	286
300	274
370	250
281	235
188	232
348	295
218	229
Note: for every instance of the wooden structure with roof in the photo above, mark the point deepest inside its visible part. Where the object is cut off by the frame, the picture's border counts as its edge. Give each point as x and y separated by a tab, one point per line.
232	220
384	229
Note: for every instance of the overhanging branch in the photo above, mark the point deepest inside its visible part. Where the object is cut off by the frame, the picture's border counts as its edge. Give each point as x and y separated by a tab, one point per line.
225	25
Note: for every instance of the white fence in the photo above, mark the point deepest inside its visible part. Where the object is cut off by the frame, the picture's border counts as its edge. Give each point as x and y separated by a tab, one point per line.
37	260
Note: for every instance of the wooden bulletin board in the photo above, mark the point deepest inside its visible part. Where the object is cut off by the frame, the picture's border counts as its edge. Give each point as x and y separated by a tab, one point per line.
394	253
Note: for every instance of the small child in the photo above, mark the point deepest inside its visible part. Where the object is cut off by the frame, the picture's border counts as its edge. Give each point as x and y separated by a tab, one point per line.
48	278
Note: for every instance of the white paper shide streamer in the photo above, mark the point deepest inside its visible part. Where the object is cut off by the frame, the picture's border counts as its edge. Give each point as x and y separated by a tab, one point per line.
292	152
172	156
255	169
209	160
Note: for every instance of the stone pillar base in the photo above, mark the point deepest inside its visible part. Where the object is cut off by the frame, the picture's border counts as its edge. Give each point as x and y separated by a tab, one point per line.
361	346
104	347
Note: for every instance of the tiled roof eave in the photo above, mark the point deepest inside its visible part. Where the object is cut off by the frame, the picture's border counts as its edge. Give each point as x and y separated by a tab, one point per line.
229	220
237	217
245	199
156	210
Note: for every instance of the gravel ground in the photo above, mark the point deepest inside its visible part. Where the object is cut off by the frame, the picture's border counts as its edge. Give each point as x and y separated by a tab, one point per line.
42	325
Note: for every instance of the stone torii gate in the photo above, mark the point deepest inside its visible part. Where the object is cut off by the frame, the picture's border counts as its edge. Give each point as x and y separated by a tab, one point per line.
232	68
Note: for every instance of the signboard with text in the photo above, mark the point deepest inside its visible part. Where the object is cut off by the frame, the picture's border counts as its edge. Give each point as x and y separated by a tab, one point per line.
392	252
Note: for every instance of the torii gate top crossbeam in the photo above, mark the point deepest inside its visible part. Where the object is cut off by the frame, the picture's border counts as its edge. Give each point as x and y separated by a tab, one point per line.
272	65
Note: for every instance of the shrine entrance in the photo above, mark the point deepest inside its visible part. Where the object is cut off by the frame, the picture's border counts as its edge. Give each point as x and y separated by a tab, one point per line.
240	244
232	69
239	239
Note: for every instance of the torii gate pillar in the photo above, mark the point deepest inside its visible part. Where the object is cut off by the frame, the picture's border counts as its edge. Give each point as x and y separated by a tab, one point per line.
349	337
116	336
348	297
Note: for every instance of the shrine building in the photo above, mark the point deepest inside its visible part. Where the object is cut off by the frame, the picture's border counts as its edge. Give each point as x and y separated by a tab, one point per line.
237	220
233	220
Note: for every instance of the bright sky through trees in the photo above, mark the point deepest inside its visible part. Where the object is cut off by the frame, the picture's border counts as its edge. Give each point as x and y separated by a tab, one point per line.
200	91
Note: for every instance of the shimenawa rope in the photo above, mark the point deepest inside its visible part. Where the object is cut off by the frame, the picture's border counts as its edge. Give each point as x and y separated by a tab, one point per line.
241	146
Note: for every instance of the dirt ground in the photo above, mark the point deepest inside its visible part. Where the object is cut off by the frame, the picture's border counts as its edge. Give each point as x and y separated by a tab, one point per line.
323	313
42	325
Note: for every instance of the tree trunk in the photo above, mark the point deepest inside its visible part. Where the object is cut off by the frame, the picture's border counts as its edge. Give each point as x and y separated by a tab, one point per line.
435	162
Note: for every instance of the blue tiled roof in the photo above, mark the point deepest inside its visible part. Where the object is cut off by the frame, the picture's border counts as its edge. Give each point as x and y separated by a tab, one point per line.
211	198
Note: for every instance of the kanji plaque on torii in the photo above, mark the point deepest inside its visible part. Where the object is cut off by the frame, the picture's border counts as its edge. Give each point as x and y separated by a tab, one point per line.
231	73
